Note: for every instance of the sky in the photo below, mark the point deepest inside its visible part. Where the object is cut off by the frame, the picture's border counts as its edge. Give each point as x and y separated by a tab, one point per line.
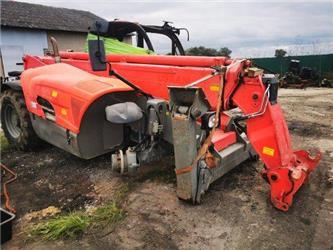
248	28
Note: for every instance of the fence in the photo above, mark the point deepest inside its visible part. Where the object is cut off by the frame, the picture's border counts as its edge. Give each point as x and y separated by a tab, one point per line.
323	64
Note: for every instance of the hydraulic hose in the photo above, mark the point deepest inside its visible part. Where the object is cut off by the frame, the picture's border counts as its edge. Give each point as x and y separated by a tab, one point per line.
5	190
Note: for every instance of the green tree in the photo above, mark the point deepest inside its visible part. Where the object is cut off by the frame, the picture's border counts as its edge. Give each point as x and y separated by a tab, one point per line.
203	51
225	52
280	53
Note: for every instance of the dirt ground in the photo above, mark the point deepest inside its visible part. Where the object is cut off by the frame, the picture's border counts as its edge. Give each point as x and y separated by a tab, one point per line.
235	213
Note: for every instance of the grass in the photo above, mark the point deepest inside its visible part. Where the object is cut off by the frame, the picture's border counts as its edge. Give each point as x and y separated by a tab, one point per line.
74	224
109	213
4	143
64	226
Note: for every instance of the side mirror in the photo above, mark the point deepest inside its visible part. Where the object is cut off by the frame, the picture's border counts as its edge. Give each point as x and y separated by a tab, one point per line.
97	55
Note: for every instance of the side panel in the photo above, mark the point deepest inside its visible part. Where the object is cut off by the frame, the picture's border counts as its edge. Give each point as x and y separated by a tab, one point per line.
69	90
97	136
55	135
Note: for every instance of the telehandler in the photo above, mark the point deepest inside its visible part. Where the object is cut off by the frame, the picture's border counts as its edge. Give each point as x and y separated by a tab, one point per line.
212	113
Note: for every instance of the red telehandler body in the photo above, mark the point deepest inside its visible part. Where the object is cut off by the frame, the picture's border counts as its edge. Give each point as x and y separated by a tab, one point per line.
212	113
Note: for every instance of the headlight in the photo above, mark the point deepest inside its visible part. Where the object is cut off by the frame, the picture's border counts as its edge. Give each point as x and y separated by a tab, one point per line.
211	121
207	120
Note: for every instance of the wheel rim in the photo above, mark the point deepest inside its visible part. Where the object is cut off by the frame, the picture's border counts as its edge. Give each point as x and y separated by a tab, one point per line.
12	120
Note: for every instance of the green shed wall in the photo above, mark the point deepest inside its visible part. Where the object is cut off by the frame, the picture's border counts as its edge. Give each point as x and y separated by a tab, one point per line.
322	63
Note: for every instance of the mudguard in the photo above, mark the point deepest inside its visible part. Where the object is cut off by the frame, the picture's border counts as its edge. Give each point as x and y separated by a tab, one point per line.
69	90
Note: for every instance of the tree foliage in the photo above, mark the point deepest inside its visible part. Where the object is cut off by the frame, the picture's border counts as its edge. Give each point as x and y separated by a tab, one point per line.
203	51
280	53
225	51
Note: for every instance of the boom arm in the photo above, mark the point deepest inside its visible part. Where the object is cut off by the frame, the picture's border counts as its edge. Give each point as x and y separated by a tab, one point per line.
267	131
285	169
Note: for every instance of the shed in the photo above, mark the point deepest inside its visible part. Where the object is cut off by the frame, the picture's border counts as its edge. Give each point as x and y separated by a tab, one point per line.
26	29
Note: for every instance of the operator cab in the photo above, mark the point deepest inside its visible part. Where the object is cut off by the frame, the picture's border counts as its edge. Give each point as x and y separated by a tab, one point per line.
123	29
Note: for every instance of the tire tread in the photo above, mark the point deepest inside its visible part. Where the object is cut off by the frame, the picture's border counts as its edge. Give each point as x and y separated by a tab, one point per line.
28	139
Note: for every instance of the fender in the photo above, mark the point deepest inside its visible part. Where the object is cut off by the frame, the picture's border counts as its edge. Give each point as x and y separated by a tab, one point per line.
67	90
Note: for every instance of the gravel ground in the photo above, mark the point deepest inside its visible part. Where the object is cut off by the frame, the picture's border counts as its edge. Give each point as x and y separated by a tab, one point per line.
235	213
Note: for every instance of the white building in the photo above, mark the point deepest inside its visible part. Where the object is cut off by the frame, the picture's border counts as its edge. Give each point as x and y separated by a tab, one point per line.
26	29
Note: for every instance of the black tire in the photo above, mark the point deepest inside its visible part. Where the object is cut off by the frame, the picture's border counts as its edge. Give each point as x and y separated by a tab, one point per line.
15	121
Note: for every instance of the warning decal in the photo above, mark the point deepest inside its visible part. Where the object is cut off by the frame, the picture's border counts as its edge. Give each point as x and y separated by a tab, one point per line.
268	151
